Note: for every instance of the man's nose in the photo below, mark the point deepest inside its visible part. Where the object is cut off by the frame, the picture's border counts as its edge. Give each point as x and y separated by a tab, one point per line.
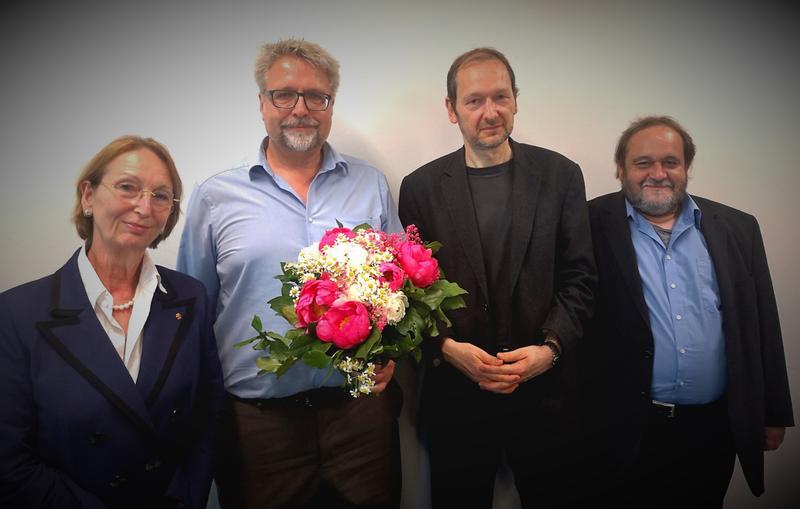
657	171
300	108
490	108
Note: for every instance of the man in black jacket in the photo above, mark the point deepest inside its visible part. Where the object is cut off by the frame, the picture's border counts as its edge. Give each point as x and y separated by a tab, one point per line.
685	369
513	223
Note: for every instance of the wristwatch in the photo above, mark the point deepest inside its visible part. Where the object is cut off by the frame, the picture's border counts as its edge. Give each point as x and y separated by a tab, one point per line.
551	344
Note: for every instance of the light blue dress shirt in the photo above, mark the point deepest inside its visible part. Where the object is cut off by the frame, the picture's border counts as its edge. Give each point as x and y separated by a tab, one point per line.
682	296
242	223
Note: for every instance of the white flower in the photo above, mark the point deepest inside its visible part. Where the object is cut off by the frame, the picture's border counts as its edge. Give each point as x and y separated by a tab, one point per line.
309	254
395	308
347	254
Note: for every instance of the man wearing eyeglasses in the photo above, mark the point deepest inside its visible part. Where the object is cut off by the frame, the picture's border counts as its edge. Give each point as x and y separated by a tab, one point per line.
299	440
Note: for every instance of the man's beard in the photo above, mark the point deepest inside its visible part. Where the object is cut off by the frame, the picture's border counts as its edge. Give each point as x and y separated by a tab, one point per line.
656	208
493	142
299	142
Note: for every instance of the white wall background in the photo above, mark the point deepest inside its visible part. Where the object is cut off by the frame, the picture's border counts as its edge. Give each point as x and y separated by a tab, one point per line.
75	75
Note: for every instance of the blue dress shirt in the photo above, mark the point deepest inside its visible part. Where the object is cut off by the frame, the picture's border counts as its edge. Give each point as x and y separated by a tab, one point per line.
242	223
682	296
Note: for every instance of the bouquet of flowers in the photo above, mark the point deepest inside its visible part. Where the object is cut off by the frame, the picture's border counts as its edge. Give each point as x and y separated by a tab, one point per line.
357	298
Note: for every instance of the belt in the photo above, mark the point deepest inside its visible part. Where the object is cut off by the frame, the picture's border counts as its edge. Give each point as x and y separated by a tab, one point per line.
671	410
321	397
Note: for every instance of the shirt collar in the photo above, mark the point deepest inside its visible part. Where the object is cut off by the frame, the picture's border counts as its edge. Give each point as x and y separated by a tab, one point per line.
690	213
331	159
149	278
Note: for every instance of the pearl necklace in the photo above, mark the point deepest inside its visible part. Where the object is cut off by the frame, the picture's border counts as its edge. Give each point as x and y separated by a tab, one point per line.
123	306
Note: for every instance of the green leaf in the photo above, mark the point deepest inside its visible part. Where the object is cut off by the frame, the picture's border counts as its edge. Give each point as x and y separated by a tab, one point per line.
283	305
392	351
449	289
245	342
412	323
268	364
279	350
443	317
339	224
287	312
300	345
256	323
288	363
321	346
451	303
433	246
316	359
362	226
367	345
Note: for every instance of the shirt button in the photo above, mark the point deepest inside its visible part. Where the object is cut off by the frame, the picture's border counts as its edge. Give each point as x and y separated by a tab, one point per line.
310	219
682	350
679	317
680	383
669	257
673	285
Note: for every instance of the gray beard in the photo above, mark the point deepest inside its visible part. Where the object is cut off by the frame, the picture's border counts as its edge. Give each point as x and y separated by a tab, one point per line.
655	208
483	145
298	142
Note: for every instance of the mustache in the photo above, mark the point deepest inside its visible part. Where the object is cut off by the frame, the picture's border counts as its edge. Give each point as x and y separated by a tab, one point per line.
659	183
300	122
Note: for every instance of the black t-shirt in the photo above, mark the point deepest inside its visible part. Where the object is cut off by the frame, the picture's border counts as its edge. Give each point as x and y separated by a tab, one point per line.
491	198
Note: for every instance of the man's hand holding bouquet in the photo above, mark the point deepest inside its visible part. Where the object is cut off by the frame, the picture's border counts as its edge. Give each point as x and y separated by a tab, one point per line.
356	300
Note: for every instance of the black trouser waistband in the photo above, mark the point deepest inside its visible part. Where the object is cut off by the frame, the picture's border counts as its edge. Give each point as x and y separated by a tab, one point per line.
670	410
323	396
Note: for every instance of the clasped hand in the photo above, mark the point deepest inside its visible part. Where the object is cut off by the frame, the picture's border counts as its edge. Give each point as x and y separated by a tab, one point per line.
502	373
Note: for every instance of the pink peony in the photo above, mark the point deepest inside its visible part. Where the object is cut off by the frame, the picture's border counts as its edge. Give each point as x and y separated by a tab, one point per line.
315	298
345	324
418	263
331	235
392	274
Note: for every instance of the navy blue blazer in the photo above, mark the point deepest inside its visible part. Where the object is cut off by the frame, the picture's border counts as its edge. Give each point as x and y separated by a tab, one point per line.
75	429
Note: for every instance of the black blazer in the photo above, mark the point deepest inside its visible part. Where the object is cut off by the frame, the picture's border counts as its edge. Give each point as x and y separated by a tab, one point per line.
551	269
619	355
75	430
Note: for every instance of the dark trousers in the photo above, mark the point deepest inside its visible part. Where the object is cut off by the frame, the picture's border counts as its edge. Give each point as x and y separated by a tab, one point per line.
467	447
319	449
685	460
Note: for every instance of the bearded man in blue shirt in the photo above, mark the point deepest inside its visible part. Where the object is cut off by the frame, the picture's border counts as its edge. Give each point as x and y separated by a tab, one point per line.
299	440
686	368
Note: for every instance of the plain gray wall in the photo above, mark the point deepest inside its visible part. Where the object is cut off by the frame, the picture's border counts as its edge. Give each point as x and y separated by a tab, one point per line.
77	74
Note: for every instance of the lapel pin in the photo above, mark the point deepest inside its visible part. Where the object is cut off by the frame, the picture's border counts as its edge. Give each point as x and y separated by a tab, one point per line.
178	316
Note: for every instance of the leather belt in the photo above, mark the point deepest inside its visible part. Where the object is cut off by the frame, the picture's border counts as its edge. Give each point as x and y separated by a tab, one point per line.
323	396
671	410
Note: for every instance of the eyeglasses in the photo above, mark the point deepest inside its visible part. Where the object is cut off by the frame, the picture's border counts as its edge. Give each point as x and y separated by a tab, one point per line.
287	99
160	199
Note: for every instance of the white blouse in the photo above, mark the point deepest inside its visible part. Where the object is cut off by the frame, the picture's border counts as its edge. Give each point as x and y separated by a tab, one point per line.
128	347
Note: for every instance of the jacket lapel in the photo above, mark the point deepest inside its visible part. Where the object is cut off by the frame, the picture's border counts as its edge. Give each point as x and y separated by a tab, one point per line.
617	231
163	335
458	200
77	336
716	236
524	195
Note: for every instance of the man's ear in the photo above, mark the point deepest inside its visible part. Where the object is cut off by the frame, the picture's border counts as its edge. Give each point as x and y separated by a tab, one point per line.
451	110
619	173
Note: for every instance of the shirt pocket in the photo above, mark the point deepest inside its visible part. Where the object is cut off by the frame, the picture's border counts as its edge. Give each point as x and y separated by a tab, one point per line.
709	290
